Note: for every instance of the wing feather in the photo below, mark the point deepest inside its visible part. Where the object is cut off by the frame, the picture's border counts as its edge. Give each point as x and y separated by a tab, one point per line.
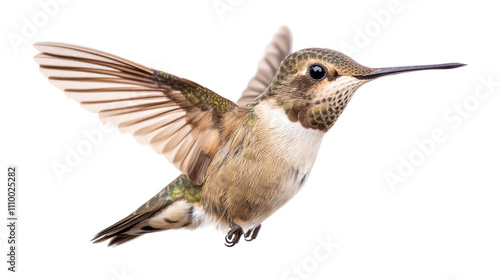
175	116
276	51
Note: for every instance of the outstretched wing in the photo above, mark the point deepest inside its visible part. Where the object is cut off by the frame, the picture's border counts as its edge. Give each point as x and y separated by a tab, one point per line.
175	116
276	51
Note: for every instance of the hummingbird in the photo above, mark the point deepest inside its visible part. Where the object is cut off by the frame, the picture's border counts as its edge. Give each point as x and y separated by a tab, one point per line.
240	162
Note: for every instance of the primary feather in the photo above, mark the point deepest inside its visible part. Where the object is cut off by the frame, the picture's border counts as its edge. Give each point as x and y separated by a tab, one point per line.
175	116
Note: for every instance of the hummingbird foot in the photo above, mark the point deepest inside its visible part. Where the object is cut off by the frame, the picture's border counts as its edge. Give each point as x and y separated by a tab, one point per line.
234	235
251	234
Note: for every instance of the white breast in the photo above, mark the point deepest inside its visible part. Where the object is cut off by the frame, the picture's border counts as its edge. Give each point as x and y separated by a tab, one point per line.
297	145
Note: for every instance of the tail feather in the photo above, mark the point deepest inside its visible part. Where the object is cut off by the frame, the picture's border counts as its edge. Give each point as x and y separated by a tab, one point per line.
120	228
120	239
171	208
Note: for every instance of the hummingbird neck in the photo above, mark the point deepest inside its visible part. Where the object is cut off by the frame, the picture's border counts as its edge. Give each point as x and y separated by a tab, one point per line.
295	142
317	114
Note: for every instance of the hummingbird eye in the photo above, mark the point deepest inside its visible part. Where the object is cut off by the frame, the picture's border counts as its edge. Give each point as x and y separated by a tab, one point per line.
317	72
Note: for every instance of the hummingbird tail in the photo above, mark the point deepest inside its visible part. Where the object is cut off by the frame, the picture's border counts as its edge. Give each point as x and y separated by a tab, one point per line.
176	206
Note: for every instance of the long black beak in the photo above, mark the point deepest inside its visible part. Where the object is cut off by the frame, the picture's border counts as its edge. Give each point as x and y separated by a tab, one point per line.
379	72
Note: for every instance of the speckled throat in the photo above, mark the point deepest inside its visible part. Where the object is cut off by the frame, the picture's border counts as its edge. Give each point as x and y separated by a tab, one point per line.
321	113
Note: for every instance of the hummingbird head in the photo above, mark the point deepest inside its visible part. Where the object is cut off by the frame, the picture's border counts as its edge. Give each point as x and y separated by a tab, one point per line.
314	85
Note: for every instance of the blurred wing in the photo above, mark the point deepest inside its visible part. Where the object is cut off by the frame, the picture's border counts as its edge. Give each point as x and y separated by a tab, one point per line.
175	116
276	51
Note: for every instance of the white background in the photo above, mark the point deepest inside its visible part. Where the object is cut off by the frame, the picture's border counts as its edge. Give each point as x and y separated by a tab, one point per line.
442	222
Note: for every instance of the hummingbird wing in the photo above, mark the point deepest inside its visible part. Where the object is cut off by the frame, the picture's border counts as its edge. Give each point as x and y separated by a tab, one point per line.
276	51
175	116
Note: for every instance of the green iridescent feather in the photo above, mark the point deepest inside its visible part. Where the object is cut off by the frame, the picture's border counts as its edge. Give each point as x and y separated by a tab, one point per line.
197	95
180	188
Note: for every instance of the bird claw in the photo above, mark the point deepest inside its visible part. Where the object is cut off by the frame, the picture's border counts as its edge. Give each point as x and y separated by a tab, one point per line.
233	236
252	233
